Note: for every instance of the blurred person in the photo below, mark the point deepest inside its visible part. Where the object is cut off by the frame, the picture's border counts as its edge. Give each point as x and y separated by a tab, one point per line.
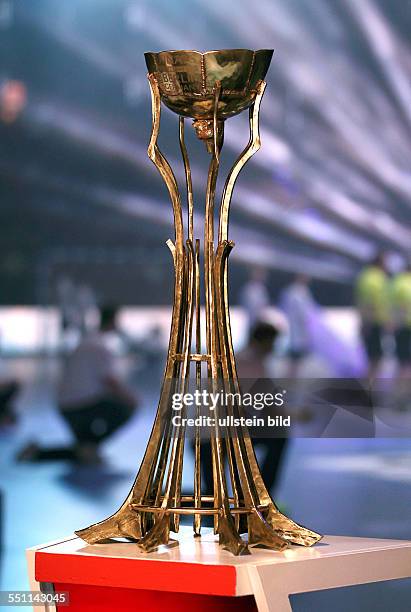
400	302
8	392
86	304
9	388
152	352
252	368
92	398
254	296
297	302
253	373
372	299
69	320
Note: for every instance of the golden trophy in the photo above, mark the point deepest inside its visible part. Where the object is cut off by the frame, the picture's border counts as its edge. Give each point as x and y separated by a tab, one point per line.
208	88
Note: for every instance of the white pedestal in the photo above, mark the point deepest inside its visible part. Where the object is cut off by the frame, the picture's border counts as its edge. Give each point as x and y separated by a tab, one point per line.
200	566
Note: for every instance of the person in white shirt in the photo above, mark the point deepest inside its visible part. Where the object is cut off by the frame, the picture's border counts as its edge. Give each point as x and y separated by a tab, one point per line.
254	297
297	303
92	398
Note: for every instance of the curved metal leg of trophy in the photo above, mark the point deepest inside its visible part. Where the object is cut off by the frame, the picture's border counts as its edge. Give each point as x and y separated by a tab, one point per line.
252	147
260	533
259	528
127	522
184	378
228	536
289	530
189	182
281	524
162	164
197	443
158	535
159	532
274	530
211	333
123	524
164	520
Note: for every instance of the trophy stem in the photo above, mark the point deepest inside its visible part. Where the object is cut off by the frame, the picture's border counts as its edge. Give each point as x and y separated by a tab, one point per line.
189	183
240	502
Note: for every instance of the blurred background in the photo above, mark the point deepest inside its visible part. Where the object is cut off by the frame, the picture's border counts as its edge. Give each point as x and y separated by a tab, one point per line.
321	218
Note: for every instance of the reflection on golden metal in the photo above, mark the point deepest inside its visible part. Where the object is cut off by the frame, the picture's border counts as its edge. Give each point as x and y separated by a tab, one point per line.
209	88
197	445
252	147
189	183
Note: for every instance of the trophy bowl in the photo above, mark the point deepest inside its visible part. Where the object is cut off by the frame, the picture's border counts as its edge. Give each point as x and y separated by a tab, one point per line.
187	80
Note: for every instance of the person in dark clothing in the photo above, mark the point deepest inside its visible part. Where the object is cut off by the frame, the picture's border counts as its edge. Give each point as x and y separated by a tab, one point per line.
8	391
254	377
252	370
372	299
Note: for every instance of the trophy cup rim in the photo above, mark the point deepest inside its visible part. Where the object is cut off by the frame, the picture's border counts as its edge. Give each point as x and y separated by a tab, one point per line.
187	79
211	51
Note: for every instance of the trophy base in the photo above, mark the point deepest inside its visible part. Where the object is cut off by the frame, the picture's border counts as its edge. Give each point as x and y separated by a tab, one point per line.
199	575
150	527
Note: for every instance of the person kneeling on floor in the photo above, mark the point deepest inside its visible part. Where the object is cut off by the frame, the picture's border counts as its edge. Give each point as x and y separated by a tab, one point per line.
92	398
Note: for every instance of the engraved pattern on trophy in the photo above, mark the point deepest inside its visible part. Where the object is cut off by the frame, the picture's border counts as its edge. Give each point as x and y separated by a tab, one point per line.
207	88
